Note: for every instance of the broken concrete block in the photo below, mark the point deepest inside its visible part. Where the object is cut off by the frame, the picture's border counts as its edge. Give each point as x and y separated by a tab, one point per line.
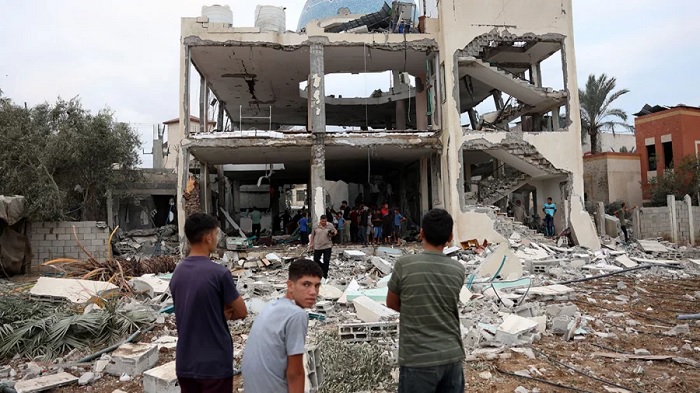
330	292
369	310
512	267
45	383
465	295
384	282
133	359
560	325
354	255
5	371
451	250
161	379
515	324
101	365
86	378
159	285
567	310
625	261
32	370
168	342
352	287
75	291
382	265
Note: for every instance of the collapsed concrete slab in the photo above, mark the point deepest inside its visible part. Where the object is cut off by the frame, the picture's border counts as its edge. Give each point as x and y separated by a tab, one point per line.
352	287
45	383
511	269
72	290
330	292
133	359
161	379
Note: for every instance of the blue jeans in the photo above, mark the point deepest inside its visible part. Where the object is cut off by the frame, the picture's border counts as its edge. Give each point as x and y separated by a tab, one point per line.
362	235
548	225
448	378
377	232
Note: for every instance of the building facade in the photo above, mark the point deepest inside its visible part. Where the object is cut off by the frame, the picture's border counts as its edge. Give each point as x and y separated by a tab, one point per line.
664	137
406	146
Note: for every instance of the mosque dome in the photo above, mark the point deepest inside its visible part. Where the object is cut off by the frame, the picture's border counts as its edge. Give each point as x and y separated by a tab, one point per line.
322	9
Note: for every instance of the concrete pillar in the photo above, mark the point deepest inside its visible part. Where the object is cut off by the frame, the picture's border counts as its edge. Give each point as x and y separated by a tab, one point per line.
421	103
205	187
637	223
185	65
472	119
671	203
110	210
691	226
467	175
183	169
318	177
498	100
317	89
555	119
203	104
435	182
401	114
424	187
221	201
600	217
236	191
220	116
317	119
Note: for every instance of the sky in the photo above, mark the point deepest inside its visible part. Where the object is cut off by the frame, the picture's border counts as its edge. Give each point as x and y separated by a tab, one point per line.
125	54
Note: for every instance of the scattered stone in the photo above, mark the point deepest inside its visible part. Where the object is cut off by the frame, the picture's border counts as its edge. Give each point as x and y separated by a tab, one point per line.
641	352
521	389
639	370
125	378
485	375
32	370
86	378
621	285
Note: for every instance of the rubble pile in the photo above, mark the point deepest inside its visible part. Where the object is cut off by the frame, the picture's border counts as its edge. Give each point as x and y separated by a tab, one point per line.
153	241
520	295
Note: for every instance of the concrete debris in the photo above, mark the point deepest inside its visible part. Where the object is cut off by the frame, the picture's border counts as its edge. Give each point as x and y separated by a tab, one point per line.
86	378
45	383
369	310
161	379
75	291
132	359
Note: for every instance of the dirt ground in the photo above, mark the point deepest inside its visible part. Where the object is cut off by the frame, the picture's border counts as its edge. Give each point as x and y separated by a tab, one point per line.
650	310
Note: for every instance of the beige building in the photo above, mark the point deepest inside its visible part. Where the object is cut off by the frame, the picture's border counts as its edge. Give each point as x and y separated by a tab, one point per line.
610	177
613	143
405	146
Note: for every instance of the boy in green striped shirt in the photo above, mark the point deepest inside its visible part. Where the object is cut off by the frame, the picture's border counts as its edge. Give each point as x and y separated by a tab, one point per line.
425	288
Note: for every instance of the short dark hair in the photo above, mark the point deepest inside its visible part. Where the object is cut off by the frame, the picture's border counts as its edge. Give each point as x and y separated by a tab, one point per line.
437	226
199	224
549	198
304	267
344	202
323	217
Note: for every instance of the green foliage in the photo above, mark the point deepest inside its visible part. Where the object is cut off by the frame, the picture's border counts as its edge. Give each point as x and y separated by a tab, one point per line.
62	158
53	332
683	180
596	114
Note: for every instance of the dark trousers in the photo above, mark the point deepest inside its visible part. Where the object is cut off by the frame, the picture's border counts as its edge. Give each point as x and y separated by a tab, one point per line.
362	235
627	236
304	238
448	378
353	233
326	260
191	385
549	225
256	230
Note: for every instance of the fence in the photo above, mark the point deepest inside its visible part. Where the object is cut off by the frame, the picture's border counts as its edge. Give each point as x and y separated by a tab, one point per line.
51	240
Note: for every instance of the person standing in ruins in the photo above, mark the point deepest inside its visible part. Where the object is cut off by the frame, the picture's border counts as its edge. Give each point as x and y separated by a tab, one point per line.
304	229
621	215
322	243
273	358
425	289
256	217
347	237
549	209
204	296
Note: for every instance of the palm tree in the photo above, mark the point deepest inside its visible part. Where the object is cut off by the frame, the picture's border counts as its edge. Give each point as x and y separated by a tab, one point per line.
596	114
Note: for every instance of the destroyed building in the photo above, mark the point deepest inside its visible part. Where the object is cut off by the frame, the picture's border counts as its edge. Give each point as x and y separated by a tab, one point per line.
264	85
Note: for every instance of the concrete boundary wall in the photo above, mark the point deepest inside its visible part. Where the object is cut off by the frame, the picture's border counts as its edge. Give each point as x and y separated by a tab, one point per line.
678	221
51	240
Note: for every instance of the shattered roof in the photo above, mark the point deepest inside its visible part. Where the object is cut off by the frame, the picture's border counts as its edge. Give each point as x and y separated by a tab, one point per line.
648	109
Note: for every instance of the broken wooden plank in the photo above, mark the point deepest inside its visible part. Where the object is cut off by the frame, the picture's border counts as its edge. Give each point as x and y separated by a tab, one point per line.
614	355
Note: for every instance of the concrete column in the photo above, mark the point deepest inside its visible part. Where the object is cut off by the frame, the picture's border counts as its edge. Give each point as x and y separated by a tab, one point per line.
691	226
600	217
185	64
401	114
205	187
671	203
317	89
637	223
435	182
498	100
221	201
555	119
317	115
236	191
203	104
472	119
110	210
183	169
538	73
421	103
220	116
318	177
424	187
467	175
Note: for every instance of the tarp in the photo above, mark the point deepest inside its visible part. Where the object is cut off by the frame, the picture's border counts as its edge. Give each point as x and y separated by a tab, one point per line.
11	209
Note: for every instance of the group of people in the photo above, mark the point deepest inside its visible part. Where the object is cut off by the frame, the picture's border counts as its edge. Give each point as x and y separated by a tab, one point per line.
364	225
424	288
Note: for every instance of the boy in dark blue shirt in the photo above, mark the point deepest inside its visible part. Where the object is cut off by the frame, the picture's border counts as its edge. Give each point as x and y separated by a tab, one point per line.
204	296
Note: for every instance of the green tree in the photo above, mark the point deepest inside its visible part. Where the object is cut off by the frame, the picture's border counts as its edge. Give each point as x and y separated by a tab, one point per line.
596	114
64	159
680	181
